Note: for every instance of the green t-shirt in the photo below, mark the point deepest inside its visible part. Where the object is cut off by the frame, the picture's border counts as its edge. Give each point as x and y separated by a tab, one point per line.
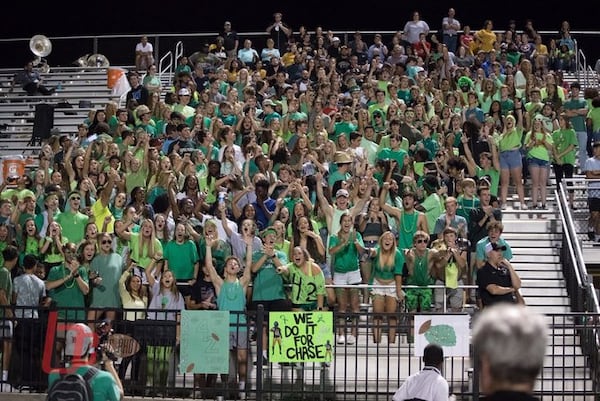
73	225
304	287
539	151
434	207
511	140
6	285
345	127
181	258
268	284
493	174
141	256
562	139
578	122
399	155
68	295
594	115
466	205
346	259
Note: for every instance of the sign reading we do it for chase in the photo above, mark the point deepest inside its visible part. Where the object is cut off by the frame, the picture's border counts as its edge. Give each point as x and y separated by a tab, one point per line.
300	336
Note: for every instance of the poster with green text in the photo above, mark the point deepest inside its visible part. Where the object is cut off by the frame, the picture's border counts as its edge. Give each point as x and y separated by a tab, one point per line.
301	336
204	341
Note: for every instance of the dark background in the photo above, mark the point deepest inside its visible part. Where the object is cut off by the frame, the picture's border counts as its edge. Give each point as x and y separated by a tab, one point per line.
56	18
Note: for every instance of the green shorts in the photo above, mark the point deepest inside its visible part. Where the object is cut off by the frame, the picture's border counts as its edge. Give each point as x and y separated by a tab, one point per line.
416	297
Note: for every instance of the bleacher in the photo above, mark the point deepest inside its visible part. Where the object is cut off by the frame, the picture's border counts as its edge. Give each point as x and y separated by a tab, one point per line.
84	89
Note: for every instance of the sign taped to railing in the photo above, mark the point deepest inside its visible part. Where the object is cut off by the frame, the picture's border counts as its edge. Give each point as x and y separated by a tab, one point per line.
300	336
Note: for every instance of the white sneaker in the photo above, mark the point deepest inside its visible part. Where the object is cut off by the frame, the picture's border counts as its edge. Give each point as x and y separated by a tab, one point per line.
350	340
341	340
524	207
6	388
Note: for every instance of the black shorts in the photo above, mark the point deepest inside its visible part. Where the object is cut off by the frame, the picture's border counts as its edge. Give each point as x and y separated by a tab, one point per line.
594	204
276	305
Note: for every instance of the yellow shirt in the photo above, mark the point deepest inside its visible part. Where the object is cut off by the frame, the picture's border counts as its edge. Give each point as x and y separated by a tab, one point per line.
100	213
486	40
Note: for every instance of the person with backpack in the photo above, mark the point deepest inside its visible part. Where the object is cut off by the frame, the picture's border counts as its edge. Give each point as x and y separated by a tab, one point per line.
82	381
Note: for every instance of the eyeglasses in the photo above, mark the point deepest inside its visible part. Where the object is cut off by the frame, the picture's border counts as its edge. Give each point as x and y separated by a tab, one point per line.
106	241
75	198
421	241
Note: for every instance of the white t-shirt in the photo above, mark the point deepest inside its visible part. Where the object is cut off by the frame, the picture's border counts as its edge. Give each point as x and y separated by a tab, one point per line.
145	49
427	384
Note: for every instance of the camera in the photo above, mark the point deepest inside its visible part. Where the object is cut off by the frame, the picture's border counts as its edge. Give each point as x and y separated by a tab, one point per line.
104	331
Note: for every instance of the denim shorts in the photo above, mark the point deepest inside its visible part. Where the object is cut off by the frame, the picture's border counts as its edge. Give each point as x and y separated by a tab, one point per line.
535	162
510	159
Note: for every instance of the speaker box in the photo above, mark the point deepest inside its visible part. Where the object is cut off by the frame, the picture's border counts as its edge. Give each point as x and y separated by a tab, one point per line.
43	121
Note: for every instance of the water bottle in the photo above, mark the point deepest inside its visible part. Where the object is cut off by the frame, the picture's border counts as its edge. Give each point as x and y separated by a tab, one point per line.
59	87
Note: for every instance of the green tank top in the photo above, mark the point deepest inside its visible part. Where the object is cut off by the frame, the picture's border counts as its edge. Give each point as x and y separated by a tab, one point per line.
420	274
408	228
232	298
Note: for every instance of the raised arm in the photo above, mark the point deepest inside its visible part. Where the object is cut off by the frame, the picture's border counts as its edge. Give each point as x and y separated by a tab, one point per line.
212	272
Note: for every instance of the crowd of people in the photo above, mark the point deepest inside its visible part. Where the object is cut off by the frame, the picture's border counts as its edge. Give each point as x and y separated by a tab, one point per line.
287	176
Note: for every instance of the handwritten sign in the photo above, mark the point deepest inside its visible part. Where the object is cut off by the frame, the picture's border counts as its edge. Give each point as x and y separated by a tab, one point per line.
204	341
301	336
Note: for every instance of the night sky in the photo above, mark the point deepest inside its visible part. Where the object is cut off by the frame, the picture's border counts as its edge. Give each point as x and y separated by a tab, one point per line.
56	18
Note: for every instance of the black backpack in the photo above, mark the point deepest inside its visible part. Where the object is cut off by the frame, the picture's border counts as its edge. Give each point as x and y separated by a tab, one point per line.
73	387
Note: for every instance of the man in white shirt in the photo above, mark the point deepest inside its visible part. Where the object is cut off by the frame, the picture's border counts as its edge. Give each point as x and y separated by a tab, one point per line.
144	54
428	384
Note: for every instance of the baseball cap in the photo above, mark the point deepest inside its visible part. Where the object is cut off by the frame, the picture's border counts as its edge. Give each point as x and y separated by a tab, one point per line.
268	102
335	39
492	246
79	339
184	92
342	192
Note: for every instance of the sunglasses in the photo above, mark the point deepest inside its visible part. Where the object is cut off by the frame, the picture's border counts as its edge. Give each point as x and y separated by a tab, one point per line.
421	241
106	241
75	198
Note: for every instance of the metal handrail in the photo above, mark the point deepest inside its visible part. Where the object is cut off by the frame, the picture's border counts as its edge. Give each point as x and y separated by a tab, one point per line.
178	53
165	66
578	260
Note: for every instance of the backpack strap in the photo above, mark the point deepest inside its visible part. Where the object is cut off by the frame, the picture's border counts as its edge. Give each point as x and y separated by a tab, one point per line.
91	372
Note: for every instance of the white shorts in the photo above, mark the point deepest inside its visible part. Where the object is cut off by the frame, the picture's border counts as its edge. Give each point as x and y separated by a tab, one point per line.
349	278
384	292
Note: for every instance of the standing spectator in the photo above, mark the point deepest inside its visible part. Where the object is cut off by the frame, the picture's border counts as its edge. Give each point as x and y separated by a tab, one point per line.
230	40
428	384
138	92
28	292
497	280
268	288
450	28
67	284
451	219
592	171
564	145
576	110
345	246
10	255
449	267
231	296
144	54
387	269
279	32
419	261
415	27
510	346
306	279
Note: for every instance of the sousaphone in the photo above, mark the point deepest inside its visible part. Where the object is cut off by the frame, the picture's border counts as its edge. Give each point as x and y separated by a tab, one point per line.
40	46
